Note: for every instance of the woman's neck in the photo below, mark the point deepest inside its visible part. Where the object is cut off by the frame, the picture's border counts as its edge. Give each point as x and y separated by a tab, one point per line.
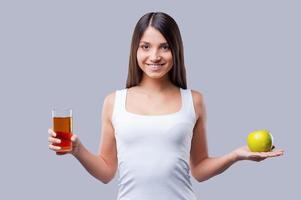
156	85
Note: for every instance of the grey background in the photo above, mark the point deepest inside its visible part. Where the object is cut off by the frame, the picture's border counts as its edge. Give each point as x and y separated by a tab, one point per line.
244	56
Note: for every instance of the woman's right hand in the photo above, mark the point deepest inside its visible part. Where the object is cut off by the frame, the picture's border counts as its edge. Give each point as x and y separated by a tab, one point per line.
53	141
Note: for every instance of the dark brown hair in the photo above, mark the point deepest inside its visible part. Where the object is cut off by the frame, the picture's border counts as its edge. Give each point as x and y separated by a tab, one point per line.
168	27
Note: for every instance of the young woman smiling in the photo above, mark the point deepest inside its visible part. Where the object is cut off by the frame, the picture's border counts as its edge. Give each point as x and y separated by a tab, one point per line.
153	131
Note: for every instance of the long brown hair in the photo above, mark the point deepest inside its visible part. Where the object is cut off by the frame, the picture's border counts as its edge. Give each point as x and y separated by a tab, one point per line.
168	27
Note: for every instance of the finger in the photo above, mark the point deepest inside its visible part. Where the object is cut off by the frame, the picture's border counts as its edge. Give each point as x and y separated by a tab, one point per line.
55	148
279	151
271	154
51	132
265	154
54	140
73	138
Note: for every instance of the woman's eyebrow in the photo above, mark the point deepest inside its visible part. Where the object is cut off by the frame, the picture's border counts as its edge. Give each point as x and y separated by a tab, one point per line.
144	42
164	43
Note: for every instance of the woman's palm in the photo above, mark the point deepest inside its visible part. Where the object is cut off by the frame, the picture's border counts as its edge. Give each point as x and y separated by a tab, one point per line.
244	153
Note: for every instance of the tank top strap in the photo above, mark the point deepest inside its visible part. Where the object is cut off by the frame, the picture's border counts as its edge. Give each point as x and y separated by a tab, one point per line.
188	106
119	103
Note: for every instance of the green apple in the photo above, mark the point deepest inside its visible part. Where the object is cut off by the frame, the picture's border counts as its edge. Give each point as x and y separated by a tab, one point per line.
260	141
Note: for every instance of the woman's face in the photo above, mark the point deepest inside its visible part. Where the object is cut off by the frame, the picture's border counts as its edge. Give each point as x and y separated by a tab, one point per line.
154	55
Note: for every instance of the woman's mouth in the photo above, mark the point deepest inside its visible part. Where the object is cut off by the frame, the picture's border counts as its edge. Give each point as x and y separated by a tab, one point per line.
155	67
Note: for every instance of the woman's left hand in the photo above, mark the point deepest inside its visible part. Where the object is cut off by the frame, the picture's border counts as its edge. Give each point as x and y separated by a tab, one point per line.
244	153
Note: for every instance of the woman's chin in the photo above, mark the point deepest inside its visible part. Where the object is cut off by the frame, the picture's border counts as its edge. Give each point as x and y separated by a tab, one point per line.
155	75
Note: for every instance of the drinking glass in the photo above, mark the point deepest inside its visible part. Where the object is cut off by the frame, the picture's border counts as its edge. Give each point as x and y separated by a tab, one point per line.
62	126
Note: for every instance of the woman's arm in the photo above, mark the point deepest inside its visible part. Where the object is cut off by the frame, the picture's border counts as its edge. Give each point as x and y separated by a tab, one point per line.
204	167
210	167
102	166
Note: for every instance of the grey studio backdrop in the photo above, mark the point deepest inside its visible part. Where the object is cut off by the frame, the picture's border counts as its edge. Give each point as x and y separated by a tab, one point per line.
244	56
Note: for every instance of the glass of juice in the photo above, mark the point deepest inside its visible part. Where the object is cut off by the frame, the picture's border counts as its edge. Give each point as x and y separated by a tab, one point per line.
62	126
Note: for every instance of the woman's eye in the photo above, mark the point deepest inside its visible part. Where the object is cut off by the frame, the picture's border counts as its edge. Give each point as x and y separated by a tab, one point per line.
145	47
165	47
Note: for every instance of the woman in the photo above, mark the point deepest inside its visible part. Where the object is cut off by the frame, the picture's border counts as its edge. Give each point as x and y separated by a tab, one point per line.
154	130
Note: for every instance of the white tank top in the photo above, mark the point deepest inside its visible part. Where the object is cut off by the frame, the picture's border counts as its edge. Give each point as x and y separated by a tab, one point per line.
153	151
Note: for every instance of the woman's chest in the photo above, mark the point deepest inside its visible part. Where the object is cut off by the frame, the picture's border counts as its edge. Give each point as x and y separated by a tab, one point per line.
167	131
152	106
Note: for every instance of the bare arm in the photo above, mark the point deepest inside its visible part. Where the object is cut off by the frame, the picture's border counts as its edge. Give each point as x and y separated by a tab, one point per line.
102	166
204	167
95	165
210	166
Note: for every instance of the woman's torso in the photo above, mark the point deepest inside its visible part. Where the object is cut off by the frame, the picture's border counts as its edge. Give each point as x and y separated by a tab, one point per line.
153	146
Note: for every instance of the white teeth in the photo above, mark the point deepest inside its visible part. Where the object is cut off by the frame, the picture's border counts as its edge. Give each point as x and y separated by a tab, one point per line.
155	65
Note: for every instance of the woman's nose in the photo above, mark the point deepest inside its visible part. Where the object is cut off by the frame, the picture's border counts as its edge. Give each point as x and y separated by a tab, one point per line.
155	56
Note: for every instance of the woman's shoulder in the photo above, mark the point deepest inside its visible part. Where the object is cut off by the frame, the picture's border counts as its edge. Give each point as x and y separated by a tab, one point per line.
198	101
197	95
110	97
109	101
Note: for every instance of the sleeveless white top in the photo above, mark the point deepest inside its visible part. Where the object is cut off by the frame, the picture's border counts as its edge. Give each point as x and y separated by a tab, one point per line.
153	151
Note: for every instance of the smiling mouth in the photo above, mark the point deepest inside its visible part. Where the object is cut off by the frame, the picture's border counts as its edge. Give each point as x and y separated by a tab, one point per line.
155	65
